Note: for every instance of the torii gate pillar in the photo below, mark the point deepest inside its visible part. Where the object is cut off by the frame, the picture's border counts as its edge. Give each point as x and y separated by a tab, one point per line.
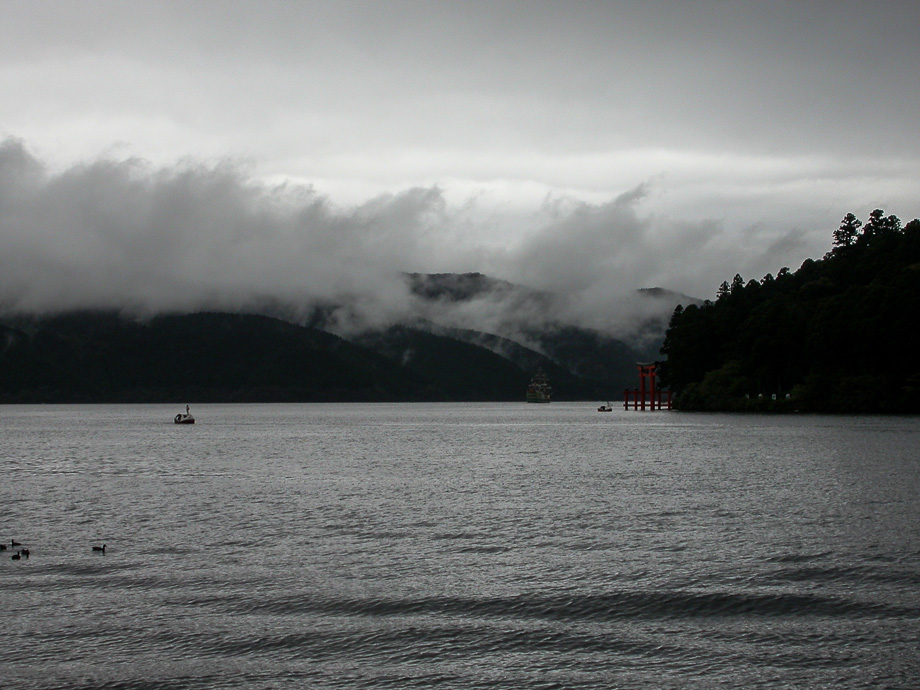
646	393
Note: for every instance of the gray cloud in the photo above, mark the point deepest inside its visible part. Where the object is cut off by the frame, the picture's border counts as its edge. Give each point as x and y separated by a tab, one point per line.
512	122
398	90
125	234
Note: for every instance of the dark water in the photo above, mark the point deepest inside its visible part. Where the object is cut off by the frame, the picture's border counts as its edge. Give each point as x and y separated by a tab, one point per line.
457	546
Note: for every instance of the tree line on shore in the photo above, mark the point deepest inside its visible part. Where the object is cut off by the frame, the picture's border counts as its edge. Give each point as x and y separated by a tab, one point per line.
837	335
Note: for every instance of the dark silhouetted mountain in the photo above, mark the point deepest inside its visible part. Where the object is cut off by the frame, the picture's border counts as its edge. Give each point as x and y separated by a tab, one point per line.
104	357
468	371
592	356
479	366
93	357
288	355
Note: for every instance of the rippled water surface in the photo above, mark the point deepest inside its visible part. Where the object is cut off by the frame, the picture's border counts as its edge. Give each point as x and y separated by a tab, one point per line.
457	546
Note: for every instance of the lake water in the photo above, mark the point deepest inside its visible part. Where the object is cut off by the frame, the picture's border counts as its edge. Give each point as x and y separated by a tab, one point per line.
457	546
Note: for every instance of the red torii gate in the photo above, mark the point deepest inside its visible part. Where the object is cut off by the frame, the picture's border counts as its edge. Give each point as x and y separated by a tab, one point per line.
647	393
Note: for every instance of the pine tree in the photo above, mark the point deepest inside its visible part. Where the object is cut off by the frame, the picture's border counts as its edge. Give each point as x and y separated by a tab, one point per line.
848	232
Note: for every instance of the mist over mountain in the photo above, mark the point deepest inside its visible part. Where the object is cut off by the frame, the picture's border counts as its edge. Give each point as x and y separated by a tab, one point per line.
492	313
534	318
520	324
120	237
104	356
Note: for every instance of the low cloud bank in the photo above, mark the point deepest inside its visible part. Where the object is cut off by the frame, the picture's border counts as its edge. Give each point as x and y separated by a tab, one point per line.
120	234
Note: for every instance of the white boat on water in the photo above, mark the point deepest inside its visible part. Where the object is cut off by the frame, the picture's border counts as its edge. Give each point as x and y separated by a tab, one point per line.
605	408
186	418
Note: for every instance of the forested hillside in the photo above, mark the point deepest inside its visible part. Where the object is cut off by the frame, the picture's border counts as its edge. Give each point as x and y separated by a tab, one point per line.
103	357
213	357
838	335
284	353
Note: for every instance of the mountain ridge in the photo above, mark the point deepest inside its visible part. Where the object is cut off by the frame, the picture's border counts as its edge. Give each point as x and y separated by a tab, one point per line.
104	356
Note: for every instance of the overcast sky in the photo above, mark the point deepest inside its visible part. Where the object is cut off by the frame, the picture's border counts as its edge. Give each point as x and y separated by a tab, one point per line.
162	154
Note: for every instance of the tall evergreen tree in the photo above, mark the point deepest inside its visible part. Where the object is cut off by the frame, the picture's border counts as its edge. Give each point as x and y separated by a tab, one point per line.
848	232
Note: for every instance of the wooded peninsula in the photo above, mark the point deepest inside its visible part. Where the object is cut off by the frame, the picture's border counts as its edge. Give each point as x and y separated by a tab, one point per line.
839	335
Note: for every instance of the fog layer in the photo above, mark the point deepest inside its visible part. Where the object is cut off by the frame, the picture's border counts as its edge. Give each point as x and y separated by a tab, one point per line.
126	235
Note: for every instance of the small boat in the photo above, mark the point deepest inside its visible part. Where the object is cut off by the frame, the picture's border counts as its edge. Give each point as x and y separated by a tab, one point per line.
605	408
186	418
